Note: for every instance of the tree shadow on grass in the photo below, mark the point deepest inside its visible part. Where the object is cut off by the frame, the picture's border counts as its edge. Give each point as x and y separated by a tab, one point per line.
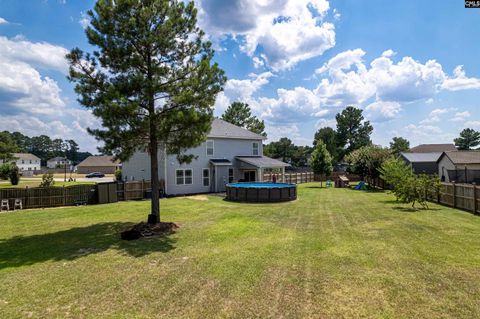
407	209
78	242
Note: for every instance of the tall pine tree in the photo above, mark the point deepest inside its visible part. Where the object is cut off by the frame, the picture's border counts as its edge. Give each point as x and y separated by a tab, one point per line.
240	114
150	80
352	131
469	138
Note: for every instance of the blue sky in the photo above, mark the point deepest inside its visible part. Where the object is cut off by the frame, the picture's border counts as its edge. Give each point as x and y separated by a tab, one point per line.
412	66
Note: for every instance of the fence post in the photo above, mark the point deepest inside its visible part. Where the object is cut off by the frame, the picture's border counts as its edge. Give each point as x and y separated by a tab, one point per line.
475	197
63	191
438	194
454	196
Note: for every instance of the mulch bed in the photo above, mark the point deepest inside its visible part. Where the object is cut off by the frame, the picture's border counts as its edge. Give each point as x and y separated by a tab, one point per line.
148	230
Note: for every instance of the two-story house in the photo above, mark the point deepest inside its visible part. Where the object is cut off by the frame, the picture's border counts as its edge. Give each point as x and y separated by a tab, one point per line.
229	154
26	162
57	162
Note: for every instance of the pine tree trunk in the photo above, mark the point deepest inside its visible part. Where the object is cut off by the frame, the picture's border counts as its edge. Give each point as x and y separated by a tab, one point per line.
154	216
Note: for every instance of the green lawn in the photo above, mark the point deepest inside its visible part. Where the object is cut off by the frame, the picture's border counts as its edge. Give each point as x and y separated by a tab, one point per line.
35	183
333	253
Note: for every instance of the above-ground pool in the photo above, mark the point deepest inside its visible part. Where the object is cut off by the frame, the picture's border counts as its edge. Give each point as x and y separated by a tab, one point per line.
261	192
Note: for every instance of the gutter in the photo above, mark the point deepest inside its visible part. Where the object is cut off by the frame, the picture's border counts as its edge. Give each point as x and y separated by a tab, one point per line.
165	169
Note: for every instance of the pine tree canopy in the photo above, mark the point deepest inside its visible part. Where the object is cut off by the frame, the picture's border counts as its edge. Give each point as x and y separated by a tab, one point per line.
150	76
240	114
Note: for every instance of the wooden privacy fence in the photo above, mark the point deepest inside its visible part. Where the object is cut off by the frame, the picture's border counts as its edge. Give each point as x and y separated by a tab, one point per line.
292	178
463	196
456	195
307	177
102	193
135	190
40	197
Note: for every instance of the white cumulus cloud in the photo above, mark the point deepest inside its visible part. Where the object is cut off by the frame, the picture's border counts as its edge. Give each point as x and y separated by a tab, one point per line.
284	31
383	110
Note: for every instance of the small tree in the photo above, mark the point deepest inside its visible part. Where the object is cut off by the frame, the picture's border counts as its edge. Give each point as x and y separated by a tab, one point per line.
328	136
14	175
396	173
468	139
406	187
321	160
47	180
118	175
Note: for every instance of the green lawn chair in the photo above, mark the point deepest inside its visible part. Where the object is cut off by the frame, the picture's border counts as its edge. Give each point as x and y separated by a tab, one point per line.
329	183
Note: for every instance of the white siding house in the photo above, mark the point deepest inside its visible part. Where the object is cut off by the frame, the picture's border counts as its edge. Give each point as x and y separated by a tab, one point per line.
460	167
58	162
26	162
229	154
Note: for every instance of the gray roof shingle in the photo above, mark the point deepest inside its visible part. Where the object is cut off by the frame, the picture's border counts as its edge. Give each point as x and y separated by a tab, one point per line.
100	160
25	156
421	157
464	157
223	129
262	161
433	148
58	158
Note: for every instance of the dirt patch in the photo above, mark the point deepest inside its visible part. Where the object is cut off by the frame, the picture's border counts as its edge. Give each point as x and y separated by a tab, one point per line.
197	197
148	230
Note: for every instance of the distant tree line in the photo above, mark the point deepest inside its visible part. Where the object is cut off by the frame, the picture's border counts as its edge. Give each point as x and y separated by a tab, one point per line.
41	146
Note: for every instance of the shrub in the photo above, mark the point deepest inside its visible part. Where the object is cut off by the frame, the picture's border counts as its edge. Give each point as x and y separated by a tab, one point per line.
407	187
367	160
5	170
14	175
118	175
47	180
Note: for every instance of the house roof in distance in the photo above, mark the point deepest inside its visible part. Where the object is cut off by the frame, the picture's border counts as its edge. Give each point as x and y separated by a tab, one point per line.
421	157
58	158
433	148
25	156
99	160
463	157
223	129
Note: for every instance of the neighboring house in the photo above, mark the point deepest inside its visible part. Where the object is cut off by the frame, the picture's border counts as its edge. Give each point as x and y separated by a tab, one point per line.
59	162
433	148
460	166
98	163
425	163
26	161
229	154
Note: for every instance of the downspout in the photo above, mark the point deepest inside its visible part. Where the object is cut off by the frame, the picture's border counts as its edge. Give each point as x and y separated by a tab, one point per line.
165	169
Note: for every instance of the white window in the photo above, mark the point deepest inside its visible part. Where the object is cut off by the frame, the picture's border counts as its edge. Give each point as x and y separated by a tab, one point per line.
255	148
230	175
184	177
206	177
209	148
